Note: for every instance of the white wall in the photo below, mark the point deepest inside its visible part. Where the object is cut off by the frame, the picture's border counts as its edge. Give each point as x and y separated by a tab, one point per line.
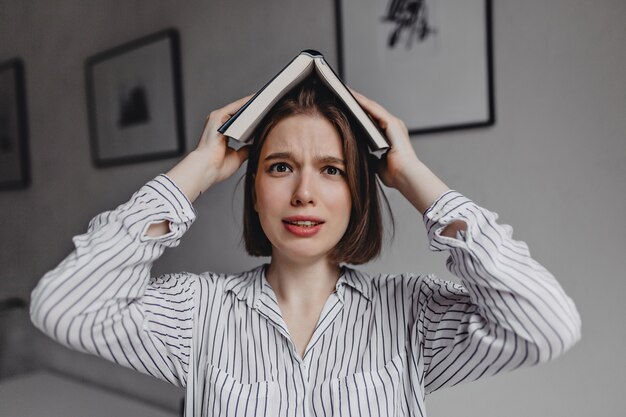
553	166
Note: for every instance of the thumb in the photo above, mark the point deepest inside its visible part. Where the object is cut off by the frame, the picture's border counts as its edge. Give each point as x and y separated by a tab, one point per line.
243	153
234	159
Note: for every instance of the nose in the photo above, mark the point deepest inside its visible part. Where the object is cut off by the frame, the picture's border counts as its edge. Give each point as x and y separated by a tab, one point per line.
304	191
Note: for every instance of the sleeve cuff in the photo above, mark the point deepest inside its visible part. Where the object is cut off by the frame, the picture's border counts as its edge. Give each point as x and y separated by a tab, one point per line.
158	200
448	207
181	204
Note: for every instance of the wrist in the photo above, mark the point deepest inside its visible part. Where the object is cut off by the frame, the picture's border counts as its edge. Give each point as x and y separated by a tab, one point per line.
404	177
205	173
192	175
418	184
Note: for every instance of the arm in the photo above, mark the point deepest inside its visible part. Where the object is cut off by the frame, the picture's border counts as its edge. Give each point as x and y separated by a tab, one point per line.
510	311
211	162
401	169
101	299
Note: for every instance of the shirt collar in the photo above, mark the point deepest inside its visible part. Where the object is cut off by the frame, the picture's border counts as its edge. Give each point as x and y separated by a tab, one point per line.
356	280
251	285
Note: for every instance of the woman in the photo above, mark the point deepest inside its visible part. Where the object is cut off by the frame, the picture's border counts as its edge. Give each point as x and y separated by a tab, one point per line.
306	335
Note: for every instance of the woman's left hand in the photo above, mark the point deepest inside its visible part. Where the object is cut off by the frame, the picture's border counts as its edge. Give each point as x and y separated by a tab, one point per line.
401	157
401	168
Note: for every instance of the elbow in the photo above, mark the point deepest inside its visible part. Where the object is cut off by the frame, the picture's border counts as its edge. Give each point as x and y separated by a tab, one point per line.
562	339
50	322
570	332
36	311
37	321
44	314
572	335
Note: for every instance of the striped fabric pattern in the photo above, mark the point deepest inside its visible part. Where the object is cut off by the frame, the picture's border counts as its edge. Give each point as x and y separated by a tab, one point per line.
381	342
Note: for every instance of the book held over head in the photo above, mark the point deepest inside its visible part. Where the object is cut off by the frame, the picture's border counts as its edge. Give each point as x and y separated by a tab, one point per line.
308	63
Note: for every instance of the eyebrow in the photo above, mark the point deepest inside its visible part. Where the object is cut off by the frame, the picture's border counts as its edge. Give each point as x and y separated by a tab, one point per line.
288	155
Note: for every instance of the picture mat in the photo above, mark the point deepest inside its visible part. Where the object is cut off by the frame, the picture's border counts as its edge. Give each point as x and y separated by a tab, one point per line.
440	81
151	67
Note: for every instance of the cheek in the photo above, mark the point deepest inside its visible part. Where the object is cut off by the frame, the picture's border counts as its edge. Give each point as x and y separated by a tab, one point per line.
339	201
267	196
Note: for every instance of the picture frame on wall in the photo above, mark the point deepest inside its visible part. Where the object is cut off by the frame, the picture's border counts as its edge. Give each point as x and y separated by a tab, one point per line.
135	103
14	152
429	62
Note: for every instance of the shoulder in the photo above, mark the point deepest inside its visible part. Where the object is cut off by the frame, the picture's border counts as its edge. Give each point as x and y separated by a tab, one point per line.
208	285
242	284
377	284
210	278
409	284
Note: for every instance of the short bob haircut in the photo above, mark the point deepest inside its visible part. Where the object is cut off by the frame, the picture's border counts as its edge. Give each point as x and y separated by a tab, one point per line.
362	240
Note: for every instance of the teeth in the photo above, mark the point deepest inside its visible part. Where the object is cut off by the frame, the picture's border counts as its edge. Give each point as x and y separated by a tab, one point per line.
306	223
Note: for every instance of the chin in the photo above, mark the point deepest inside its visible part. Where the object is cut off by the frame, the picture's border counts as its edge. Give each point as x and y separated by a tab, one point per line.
298	252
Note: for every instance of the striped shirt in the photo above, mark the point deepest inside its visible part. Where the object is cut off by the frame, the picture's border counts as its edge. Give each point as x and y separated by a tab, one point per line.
381	342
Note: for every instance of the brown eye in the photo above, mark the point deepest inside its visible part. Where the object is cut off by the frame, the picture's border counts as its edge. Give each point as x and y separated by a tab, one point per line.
331	170
279	167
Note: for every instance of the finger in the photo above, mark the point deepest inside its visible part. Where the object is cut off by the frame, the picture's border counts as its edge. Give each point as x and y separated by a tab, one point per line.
377	111
234	158
221	115
360	96
243	153
232	108
353	91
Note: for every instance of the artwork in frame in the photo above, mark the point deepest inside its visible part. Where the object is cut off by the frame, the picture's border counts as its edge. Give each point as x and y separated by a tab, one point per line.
429	62
14	153
135	103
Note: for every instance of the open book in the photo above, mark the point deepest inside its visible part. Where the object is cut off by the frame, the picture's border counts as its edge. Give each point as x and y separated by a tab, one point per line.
243	123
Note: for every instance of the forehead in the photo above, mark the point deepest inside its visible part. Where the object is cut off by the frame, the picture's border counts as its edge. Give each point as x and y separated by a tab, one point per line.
304	134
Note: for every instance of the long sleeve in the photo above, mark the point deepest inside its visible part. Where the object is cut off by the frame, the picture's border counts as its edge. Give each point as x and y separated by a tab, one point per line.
101	299
508	312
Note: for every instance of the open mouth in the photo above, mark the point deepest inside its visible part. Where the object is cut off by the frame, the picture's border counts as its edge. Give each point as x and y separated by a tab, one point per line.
303	226
305	223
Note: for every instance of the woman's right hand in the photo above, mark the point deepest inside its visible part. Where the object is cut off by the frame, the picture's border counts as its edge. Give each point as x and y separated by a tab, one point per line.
212	161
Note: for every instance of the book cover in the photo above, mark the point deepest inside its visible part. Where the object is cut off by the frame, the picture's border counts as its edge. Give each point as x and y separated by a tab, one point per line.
242	124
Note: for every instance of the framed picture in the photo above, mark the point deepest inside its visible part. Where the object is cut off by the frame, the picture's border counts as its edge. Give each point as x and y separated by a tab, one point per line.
135	102
429	62
14	155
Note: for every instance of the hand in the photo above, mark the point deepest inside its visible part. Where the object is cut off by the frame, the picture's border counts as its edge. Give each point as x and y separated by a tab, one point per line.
401	157
221	160
401	168
212	161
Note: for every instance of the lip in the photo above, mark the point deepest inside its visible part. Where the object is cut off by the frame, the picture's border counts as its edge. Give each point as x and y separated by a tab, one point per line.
301	231
303	219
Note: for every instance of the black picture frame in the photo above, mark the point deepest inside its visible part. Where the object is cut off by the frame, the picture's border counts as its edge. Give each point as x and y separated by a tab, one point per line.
14	151
446	85
135	101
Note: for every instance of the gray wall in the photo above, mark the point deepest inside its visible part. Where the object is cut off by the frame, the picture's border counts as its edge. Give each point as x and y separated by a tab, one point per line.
553	166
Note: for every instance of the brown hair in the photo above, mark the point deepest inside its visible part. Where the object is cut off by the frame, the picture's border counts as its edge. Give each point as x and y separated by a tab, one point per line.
362	240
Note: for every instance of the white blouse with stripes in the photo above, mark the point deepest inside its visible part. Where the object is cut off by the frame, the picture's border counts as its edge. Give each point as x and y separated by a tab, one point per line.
381	342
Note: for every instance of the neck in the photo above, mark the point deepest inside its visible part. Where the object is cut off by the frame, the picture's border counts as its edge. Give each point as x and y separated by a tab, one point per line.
302	283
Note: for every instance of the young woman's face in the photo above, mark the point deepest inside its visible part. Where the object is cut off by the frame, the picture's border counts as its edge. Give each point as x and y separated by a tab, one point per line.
302	196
